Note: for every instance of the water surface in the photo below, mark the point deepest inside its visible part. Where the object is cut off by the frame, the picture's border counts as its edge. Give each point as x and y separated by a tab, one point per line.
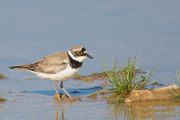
109	30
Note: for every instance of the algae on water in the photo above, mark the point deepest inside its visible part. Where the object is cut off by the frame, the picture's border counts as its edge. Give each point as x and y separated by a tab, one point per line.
2	76
2	100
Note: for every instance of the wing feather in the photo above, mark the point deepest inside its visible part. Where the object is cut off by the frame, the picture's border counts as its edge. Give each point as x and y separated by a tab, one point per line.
49	64
52	63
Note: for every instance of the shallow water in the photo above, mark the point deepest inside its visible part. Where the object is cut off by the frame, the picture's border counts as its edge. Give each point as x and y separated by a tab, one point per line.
109	30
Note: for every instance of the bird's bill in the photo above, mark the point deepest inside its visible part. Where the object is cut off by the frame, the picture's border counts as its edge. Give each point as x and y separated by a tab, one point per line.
89	56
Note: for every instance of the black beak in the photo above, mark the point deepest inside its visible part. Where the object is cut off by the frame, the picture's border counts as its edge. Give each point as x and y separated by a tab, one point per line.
89	56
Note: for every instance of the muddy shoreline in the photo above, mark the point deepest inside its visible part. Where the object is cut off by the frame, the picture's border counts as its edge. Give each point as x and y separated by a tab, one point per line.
154	92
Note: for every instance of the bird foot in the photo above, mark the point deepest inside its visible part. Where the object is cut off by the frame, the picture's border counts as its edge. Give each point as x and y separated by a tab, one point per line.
58	97
71	98
64	98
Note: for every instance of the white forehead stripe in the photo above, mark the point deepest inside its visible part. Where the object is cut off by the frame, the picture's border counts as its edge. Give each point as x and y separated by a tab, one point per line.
77	48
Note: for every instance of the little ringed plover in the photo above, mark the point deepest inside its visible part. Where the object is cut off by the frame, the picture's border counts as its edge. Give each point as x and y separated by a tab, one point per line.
58	67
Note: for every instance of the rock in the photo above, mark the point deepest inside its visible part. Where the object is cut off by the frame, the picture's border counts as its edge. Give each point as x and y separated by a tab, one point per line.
163	93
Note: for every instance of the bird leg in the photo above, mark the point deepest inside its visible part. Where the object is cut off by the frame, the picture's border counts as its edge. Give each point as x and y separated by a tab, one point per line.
62	87
56	90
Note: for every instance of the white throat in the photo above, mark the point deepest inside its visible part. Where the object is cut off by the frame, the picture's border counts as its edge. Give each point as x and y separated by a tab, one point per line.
79	59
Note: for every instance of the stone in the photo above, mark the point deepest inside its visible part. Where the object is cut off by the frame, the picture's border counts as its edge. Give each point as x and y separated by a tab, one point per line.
163	93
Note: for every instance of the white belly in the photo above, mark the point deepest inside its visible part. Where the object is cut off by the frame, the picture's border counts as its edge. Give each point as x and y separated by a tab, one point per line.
60	76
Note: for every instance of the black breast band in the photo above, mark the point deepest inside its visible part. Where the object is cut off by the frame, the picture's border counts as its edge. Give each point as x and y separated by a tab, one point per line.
73	63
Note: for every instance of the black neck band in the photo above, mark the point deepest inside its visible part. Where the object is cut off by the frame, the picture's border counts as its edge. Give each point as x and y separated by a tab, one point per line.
73	63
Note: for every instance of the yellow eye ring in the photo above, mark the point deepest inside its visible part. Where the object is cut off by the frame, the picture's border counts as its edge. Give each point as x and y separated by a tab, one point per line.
79	53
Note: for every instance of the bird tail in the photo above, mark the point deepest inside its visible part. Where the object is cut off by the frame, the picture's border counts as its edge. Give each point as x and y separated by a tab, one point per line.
23	67
16	67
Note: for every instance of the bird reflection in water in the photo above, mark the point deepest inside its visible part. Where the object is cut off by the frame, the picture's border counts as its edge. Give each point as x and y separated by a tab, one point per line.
60	113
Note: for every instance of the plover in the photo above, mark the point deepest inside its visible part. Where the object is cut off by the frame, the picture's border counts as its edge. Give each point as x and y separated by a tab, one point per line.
60	66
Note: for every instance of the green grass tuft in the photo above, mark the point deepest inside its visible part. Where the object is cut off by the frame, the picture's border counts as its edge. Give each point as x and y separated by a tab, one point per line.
176	93
125	79
178	77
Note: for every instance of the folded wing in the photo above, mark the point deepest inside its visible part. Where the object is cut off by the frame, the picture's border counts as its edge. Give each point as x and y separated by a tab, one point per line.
50	64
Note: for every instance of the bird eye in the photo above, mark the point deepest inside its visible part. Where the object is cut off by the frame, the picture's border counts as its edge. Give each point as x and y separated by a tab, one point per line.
79	53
